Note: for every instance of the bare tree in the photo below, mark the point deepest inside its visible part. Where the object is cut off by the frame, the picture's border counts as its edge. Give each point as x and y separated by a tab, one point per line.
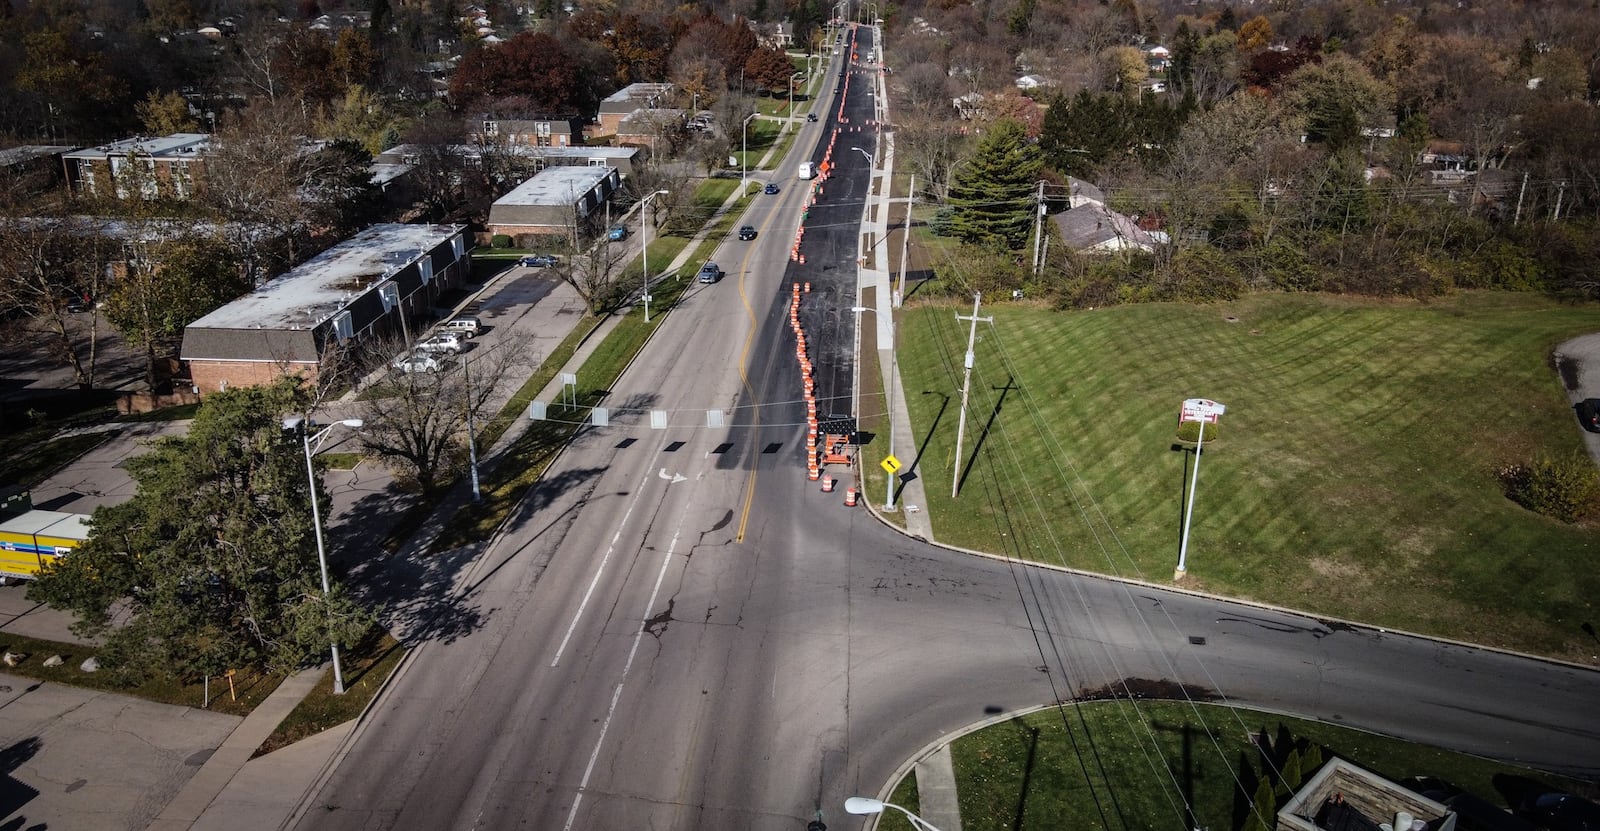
418	424
48	266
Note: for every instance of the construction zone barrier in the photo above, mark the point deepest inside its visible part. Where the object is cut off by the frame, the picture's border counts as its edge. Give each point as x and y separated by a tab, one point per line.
849	497
827	483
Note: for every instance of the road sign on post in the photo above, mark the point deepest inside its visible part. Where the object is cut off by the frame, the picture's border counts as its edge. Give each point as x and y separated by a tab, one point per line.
1203	411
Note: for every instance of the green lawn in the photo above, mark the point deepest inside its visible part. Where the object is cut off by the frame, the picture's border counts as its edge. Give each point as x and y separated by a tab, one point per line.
1117	764
1353	474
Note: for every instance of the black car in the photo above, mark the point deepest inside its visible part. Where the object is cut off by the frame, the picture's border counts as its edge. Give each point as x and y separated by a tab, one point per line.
539	261
1588	413
811	117
747	232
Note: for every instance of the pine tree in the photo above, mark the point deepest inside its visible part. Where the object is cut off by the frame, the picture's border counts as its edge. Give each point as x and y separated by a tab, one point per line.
214	555
992	197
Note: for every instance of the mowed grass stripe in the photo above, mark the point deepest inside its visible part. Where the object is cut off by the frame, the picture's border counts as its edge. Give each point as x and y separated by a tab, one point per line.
1355	467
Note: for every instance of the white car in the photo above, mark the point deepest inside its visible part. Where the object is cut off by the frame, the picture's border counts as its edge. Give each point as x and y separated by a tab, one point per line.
419	362
442	342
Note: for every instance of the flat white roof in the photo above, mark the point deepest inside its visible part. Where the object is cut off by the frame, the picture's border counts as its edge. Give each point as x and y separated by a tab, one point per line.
556	186
632	91
321	286
148	145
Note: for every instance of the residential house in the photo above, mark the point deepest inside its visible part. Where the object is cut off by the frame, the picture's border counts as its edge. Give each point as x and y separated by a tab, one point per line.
538	131
1031	82
1158	58
654	129
1095	229
624	159
380	283
146	167
557	201
773	35
618	105
1080	193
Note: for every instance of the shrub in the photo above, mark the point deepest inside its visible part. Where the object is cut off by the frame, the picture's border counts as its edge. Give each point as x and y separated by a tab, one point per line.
500	241
1567	489
1189	431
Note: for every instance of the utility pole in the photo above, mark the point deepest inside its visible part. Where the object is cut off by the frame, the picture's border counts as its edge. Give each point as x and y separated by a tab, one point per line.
472	430
905	243
1517	220
966	387
1561	191
1038	230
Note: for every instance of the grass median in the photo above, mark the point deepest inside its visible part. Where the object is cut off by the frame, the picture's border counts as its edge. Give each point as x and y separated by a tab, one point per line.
1354	473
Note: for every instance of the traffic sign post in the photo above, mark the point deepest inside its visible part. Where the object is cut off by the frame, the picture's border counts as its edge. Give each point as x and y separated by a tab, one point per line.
1202	411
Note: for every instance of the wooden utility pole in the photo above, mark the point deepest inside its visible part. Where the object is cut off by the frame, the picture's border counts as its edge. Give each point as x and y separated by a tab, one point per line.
966	387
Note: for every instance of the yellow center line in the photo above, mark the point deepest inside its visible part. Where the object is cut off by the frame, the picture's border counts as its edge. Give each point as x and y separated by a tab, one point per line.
744	378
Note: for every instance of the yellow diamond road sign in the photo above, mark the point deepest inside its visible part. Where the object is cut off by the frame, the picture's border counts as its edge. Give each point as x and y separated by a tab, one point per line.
890	465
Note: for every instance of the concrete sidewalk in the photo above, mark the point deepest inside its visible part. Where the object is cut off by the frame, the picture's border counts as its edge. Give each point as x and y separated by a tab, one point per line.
220	770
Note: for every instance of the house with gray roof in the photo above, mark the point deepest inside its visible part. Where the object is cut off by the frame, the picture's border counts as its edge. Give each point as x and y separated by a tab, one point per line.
380	283
632	97
556	201
1093	228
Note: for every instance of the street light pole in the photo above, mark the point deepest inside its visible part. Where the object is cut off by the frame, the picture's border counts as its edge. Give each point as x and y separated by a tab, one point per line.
744	152
864	805
306	440
644	248
791	92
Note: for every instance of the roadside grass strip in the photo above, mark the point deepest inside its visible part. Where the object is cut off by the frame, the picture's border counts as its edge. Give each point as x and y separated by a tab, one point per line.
1354	473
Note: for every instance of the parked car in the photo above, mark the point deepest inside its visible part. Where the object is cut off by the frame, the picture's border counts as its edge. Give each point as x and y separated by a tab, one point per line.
747	232
617	233
710	273
770	189
417	362
442	342
540	261
465	325
1588	411
76	305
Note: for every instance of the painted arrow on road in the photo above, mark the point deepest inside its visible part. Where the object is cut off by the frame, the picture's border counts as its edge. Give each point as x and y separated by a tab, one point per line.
673	478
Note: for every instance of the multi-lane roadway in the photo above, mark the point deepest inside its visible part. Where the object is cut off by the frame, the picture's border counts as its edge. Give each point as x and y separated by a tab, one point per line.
679	631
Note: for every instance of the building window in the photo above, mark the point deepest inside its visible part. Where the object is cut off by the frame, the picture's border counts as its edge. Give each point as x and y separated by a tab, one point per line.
343	326
491	128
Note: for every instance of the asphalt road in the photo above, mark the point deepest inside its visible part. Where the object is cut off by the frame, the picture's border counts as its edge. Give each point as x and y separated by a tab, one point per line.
678	631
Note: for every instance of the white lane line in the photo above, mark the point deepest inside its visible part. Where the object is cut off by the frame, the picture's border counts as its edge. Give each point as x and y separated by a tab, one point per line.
638	493
666	559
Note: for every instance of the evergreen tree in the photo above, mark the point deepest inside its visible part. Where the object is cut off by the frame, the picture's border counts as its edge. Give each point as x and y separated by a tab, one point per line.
215	555
992	196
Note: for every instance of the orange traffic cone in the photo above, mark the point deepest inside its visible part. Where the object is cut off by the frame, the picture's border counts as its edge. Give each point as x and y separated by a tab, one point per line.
827	483
849	497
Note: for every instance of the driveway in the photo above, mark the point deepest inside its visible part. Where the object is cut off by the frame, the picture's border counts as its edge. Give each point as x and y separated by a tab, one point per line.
1578	363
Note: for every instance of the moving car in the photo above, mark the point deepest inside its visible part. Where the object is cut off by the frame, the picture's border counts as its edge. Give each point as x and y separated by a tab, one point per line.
770	189
710	273
617	233
442	342
807	170
418	362
747	232
811	117
539	261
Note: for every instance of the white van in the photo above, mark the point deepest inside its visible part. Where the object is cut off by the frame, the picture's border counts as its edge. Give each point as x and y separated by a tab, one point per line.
807	170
